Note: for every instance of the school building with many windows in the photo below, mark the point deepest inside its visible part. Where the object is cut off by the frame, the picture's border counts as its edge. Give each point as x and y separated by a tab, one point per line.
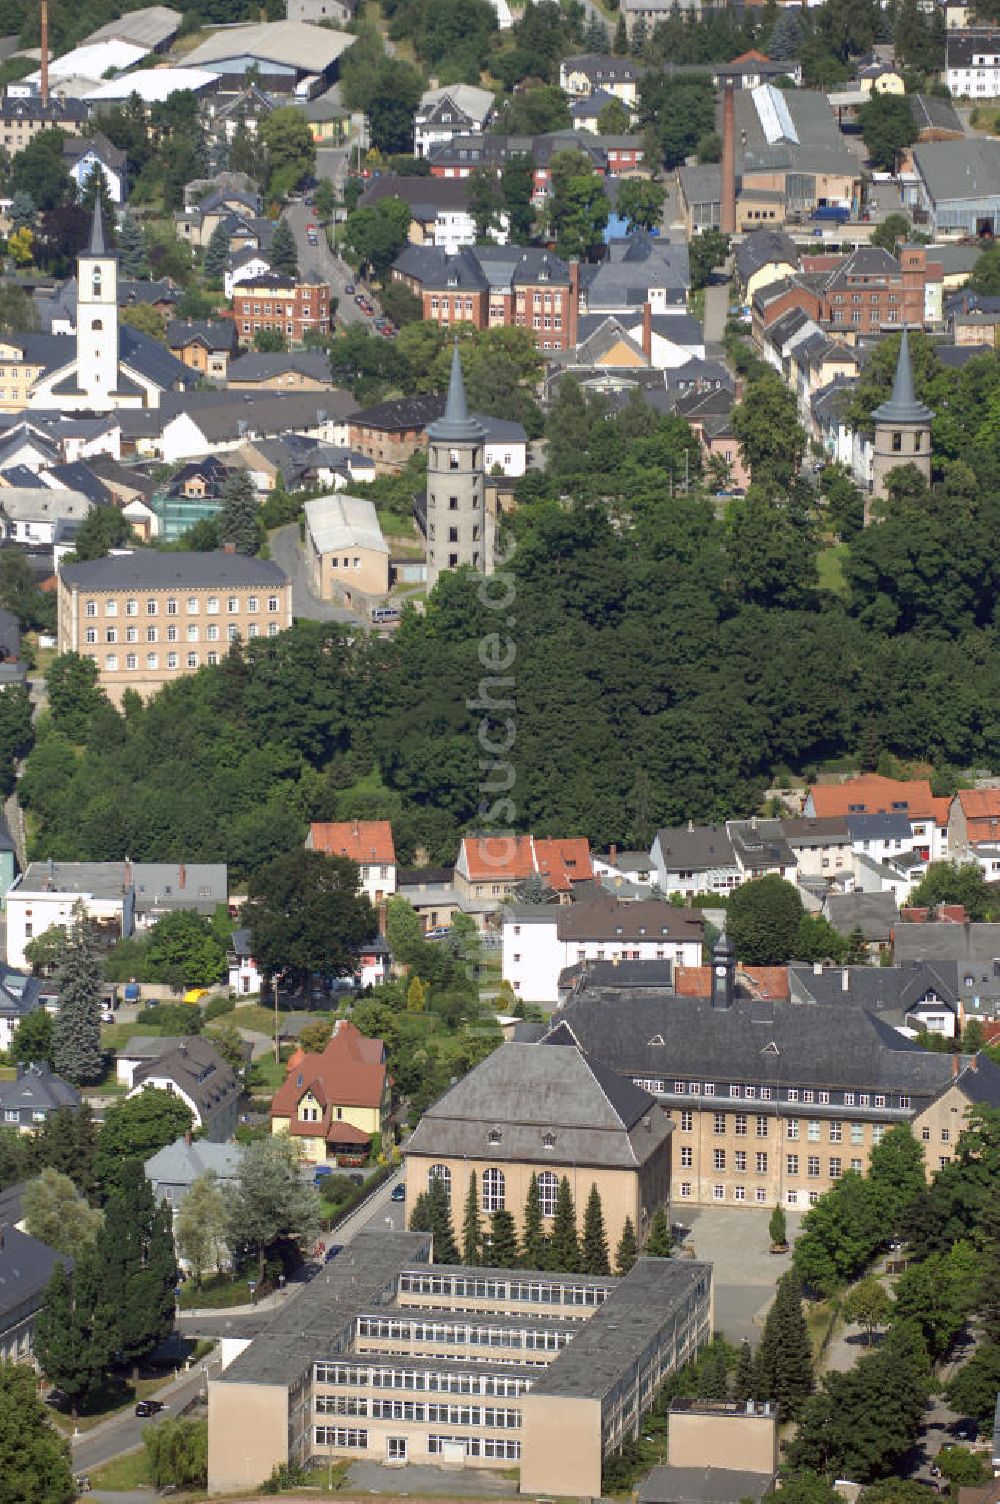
386	1356
145	618
773	1102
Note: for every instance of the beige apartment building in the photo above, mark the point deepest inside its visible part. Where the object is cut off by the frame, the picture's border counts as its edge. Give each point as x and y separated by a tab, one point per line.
146	617
773	1102
394	1359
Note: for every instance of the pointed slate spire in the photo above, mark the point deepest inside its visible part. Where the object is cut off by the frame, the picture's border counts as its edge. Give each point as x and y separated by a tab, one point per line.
456	427
903	406
97	247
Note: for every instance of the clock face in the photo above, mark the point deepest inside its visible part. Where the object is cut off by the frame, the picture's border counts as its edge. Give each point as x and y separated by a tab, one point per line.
720	970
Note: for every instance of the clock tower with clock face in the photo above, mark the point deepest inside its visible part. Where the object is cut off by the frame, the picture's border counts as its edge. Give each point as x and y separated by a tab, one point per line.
723	973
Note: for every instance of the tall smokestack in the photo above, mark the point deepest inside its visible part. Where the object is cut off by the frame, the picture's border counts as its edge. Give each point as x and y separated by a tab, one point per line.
727	221
44	85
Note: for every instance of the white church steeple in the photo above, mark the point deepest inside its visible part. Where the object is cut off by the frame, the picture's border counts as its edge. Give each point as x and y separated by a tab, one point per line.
97	317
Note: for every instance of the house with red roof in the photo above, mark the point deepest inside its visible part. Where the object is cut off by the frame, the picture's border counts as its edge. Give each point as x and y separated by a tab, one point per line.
335	1103
367	842
974	829
871	794
490	867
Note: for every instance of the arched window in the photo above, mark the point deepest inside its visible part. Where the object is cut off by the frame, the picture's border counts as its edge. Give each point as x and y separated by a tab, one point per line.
97	282
97	325
442	1173
548	1190
494	1186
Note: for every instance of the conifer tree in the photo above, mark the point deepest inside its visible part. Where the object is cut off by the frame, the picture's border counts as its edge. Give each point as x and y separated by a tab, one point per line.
989	1292
659	1240
75	1329
283	253
420	1217
502	1252
238	520
445	1249
472	1233
743	1383
713	1372
533	1249
76	1034
594	1248
628	1249
138	1264
131	247
564	1245
217	253
783	1372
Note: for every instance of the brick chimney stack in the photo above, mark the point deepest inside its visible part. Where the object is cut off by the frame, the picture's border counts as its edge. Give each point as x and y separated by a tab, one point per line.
647	331
44	84
727	219
574	304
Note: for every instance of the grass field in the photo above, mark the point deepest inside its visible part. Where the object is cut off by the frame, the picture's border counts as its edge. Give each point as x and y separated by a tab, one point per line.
260	1020
123	1473
830	569
218	1291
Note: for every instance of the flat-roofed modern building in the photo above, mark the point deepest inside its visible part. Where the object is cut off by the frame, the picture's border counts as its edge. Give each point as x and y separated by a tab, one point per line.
145	618
388	1357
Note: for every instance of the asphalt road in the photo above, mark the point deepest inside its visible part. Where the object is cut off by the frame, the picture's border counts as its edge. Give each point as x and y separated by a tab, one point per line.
124	1433
286	550
321	259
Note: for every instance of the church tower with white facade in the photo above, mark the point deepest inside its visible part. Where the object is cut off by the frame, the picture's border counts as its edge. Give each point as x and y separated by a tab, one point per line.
97	318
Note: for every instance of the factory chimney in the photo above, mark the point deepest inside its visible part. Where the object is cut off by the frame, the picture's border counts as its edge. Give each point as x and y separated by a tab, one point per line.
727	218
44	84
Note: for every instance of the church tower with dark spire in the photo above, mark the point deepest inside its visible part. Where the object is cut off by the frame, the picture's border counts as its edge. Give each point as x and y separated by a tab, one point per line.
97	317
456	485
902	427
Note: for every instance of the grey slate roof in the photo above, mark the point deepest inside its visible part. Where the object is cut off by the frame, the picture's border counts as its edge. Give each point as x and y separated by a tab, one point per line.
879	827
147	569
773	1043
959	170
632	974
78	476
932	113
903	406
602	917
218	334
37	1089
20	994
762	247
400	414
181	1163
874	914
878	988
26	1266
197	1069
694	848
522	1094
975	947
262	366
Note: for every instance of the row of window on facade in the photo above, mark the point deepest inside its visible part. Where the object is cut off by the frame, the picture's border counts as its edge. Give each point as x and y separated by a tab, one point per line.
172	634
447	1382
171	606
736	1090
396	1446
497	1417
494	1188
152	662
462	1334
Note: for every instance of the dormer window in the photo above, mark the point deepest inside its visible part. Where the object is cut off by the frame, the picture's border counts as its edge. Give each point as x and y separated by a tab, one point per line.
548	1140
494	1136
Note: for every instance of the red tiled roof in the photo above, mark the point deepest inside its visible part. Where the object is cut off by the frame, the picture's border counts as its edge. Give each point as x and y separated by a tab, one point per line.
561	862
981	808
361	840
872	794
349	1073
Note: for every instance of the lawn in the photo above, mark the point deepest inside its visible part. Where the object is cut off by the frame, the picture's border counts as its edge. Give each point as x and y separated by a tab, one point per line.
123	1473
217	1292
260	1020
116	1395
266	1074
830	568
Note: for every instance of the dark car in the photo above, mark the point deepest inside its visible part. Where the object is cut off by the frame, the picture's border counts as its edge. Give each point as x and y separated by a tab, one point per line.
398	1193
349	289
332	1251
148	1407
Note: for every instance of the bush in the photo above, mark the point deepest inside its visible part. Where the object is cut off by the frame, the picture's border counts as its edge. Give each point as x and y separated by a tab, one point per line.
178	1453
217	1007
174	1018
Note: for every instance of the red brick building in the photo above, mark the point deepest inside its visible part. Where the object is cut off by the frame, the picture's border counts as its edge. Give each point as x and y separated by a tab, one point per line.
868	292
280	304
494	287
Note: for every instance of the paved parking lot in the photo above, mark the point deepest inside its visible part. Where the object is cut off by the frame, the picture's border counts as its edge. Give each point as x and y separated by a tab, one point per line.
735	1241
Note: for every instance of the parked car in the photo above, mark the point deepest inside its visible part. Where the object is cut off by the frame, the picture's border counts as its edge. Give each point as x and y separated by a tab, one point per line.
148	1407
312	237
349	289
438	932
332	1251
398	1192
320	1173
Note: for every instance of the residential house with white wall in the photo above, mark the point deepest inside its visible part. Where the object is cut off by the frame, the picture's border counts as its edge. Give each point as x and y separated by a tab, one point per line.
541	940
195	1072
870	793
694	859
367	842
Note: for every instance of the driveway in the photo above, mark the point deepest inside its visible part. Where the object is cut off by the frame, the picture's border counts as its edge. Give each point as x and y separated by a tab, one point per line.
286	550
745	1272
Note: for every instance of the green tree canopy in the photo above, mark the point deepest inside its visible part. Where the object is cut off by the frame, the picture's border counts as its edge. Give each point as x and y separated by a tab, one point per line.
269	1200
55	1212
306	915
76	1033
135	1129
34	1458
763	919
